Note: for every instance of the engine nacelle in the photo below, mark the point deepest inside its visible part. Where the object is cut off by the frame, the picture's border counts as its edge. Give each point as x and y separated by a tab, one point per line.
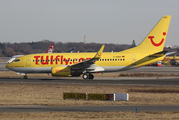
64	71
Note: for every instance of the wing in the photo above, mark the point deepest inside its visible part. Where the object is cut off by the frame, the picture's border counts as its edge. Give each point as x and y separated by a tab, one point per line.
89	65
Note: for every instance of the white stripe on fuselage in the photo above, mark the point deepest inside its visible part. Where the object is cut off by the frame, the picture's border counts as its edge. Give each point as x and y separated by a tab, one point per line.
48	69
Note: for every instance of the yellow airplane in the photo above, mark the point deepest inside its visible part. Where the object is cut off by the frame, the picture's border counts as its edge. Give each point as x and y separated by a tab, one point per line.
173	61
76	64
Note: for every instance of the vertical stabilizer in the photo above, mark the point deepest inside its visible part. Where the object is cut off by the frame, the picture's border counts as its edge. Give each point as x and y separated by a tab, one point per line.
155	40
50	49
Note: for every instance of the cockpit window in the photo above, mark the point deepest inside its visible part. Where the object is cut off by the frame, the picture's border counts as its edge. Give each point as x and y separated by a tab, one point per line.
16	60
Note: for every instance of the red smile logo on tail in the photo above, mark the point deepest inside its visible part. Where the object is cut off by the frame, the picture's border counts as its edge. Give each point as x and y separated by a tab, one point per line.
156	44
99	54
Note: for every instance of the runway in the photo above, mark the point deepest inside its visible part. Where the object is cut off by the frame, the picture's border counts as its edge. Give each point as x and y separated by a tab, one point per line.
117	108
98	81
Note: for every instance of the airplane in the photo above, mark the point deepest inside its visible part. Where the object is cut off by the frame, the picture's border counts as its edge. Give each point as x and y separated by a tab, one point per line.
49	50
173	61
87	63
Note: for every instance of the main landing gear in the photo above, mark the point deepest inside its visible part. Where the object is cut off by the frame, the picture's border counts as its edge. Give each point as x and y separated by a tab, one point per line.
86	76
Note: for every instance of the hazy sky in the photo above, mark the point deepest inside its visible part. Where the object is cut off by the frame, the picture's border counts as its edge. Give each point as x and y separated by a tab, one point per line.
102	21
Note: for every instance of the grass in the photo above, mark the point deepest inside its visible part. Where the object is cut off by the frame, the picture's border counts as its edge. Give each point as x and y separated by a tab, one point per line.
52	94
140	74
91	116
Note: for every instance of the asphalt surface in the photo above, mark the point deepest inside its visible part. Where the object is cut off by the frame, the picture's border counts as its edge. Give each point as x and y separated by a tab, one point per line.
97	81
2	66
40	108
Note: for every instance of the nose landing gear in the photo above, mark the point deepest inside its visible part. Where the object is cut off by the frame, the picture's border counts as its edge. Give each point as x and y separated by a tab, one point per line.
25	76
86	76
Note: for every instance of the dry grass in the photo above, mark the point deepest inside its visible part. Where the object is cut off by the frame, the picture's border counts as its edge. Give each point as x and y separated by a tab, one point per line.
154	90
91	116
52	94
140	74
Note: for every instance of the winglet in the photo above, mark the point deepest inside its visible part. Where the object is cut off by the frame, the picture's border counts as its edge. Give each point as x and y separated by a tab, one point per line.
99	53
174	56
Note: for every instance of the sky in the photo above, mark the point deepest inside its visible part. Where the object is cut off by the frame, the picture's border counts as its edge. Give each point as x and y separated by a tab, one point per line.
102	21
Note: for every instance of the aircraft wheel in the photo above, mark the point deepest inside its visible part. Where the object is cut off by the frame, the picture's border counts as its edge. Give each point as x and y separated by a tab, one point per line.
91	76
85	76
25	77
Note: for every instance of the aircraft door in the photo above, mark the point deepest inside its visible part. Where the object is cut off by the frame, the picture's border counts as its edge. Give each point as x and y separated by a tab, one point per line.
28	62
133	58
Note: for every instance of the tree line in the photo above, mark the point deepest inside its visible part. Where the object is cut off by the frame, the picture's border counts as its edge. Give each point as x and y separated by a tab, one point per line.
10	49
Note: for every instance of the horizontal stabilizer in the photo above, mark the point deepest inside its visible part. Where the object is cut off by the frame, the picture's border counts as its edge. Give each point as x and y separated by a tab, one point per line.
159	54
169	53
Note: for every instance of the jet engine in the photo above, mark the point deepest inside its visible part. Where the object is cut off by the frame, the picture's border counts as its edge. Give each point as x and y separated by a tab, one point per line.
64	71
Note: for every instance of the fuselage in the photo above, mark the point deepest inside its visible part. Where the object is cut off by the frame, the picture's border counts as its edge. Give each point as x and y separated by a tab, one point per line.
109	61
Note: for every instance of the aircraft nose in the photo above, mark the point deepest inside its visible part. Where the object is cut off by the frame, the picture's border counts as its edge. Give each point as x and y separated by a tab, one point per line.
8	65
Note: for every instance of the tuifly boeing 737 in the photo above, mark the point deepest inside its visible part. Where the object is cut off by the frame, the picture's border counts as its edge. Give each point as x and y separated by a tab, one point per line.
85	64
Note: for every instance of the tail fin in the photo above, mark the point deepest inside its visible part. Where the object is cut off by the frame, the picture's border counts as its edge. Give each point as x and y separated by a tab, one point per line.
72	50
155	40
50	49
